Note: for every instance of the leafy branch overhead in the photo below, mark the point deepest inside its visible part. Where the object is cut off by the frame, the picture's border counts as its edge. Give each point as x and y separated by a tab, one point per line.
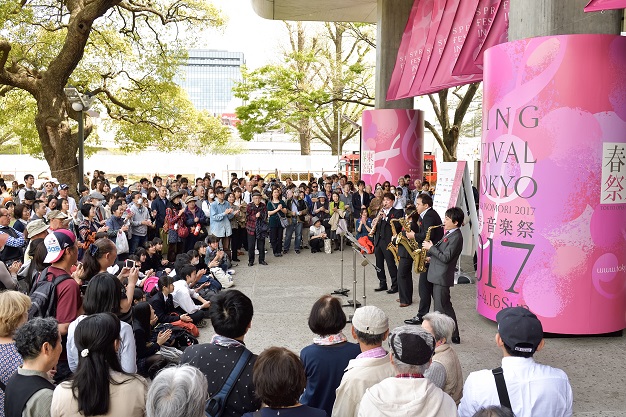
325	71
125	52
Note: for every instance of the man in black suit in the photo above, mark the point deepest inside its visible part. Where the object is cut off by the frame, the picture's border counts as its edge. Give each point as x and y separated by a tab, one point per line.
443	258
382	237
360	200
158	205
405	264
428	217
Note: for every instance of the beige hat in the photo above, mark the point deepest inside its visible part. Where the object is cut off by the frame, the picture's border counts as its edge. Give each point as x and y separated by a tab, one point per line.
190	199
370	320
56	214
35	227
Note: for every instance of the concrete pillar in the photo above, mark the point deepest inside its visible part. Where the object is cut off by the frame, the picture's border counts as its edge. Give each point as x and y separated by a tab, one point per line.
530	18
392	18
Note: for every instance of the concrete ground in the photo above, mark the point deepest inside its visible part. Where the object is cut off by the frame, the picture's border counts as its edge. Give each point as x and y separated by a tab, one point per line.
284	291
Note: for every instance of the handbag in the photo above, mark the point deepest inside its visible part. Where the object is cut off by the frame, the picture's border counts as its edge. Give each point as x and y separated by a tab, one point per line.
171	353
328	246
190	327
121	242
262	228
183	231
284	221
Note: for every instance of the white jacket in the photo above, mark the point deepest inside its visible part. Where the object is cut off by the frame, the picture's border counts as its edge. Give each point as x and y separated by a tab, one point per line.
401	397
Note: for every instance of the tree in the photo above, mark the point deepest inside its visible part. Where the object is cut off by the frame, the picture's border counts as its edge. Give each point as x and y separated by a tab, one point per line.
448	139
123	51
322	76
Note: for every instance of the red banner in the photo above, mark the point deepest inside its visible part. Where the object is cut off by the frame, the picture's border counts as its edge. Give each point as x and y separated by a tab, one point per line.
441	42
599	5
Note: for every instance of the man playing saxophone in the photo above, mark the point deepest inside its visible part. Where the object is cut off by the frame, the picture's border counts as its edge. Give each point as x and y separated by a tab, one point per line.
405	264
427	217
382	237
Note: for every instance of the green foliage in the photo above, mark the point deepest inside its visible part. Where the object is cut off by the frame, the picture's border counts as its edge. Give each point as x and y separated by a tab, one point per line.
128	61
324	72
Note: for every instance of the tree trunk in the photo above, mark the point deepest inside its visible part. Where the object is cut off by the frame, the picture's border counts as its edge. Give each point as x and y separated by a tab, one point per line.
57	141
451	140
305	143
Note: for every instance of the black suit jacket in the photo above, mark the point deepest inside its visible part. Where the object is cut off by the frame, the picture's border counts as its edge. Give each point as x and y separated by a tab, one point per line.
431	218
159	206
383	234
356	202
163	309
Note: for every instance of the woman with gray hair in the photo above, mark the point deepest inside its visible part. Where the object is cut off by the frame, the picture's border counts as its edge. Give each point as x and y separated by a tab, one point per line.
445	371
179	391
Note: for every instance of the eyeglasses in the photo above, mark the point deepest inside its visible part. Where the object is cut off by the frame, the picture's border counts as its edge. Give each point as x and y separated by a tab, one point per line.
5	215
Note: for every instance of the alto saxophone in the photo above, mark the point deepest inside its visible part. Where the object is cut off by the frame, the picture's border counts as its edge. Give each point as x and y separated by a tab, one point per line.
392	246
411	245
421	264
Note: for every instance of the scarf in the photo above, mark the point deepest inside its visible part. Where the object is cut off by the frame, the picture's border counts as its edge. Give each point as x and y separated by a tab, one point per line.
332	339
226	341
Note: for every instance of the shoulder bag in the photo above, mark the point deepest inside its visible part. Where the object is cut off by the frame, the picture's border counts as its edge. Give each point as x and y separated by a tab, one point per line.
216	405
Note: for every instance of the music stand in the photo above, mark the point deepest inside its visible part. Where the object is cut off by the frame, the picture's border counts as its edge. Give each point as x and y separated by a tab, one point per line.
341	290
358	249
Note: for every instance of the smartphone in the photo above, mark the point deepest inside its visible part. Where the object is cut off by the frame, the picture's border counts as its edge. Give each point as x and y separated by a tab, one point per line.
129	263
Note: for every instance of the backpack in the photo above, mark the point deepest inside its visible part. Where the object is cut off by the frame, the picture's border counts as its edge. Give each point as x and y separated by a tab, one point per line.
43	295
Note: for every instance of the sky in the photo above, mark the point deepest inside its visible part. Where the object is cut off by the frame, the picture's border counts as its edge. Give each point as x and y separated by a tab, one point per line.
259	39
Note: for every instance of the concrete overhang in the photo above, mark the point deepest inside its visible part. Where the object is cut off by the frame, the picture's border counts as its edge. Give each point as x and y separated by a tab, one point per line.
317	10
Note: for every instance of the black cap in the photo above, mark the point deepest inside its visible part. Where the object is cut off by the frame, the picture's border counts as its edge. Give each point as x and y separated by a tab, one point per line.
519	329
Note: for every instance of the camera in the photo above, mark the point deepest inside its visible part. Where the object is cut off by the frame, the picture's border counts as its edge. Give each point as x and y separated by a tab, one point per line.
129	263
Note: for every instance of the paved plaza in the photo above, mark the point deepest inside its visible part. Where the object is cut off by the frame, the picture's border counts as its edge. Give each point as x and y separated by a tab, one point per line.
284	291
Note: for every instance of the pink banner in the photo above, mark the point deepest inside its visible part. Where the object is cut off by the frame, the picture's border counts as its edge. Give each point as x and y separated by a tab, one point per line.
404	72
393	145
481	24
441	43
498	33
599	5
461	26
552	213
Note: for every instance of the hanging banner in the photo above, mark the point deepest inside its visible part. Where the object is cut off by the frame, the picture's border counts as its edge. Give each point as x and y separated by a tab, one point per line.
392	145
552	214
599	5
434	50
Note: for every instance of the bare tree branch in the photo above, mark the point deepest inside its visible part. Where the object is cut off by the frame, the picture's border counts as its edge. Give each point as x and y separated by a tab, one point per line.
429	126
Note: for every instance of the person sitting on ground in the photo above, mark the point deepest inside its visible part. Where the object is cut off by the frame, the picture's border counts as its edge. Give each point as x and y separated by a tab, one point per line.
13	313
184	295
100	387
149	361
370	327
279	380
533	389
162	302
408	393
317	234
177	391
325	360
231	316
445	370
30	389
103	295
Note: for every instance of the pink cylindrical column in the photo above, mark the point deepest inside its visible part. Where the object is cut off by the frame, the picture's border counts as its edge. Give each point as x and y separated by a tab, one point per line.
553	190
393	145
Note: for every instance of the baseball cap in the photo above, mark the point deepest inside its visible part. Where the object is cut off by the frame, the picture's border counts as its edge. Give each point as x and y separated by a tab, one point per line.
35	227
56	214
96	195
412	345
64	187
519	329
370	320
56	243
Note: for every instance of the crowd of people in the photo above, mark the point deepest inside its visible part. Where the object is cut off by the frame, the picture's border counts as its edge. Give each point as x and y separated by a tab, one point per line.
121	279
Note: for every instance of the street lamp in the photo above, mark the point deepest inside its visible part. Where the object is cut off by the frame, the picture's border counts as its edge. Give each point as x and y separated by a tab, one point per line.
355	125
80	103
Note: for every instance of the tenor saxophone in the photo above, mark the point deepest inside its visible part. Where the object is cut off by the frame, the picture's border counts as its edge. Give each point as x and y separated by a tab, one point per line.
392	246
421	264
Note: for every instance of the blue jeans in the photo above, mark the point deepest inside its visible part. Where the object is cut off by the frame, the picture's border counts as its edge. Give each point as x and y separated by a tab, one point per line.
134	243
297	226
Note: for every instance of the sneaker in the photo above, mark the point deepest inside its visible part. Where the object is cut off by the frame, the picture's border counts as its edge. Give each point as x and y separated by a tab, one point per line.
231	272
298	251
203	323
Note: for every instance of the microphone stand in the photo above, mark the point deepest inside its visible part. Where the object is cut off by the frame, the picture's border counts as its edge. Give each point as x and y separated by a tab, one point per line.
341	290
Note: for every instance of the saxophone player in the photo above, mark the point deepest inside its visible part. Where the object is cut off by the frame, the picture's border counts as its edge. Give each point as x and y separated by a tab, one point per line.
382	238
427	217
405	264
